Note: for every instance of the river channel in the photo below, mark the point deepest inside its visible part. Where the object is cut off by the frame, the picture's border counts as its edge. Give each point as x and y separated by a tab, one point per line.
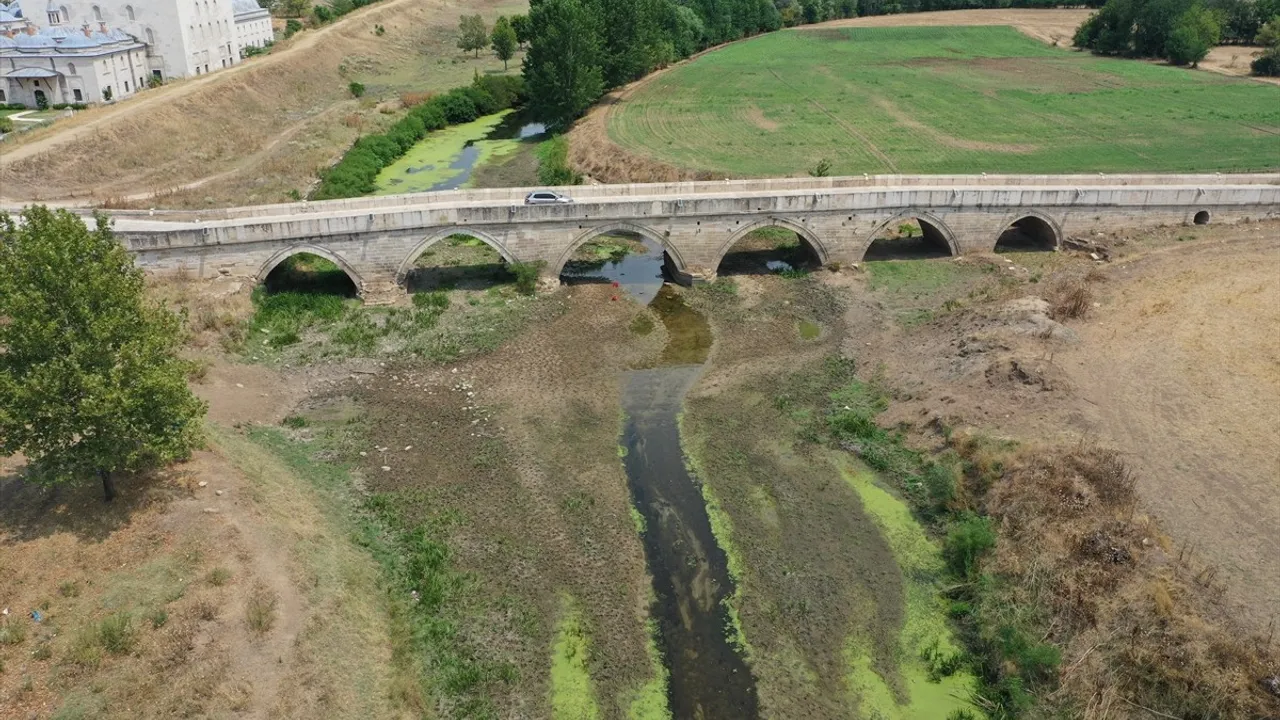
708	677
446	159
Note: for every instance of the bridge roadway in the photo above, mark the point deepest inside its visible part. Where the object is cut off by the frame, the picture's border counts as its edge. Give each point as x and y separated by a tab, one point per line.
376	240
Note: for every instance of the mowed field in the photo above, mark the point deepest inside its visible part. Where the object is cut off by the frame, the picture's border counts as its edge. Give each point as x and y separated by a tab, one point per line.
942	100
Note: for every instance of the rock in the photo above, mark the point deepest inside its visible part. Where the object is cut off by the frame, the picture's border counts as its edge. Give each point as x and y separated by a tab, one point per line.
210	510
386	468
1271	684
203	483
217	492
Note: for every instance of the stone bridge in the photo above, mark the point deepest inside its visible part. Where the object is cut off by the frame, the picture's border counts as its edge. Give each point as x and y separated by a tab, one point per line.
376	240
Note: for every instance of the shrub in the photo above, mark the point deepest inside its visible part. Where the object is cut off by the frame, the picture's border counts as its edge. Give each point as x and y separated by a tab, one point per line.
527	276
115	634
969	538
6	125
292	26
356	88
260	610
1267	64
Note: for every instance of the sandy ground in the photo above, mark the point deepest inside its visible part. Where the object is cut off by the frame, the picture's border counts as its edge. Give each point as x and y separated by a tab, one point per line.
1177	366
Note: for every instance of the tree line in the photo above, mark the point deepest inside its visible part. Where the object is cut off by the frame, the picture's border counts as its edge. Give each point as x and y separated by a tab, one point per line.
579	49
1183	31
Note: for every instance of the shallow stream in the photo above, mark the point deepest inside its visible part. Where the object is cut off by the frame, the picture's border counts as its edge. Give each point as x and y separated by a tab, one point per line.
708	677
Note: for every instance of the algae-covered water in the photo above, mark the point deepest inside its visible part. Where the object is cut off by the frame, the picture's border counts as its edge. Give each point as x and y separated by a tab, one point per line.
927	649
446	159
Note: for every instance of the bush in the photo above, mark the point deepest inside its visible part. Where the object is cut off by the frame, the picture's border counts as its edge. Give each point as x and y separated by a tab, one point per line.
435	299
6	125
970	537
291	27
527	276
1267	64
356	88
115	634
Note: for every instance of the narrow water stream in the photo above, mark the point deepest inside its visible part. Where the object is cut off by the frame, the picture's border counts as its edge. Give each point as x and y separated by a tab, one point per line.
708	678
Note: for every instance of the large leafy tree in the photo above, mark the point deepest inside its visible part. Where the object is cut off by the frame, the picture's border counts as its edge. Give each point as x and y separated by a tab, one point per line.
563	69
90	380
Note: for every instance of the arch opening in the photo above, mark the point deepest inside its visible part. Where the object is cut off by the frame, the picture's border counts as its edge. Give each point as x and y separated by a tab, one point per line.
306	273
770	250
460	261
1201	218
626	258
908	238
1028	234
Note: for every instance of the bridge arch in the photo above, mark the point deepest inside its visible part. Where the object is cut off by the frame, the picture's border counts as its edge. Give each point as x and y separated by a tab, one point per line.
931	226
406	266
1028	230
806	234
594	232
332	257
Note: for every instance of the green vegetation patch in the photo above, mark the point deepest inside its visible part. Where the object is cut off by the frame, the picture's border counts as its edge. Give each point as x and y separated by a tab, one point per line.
929	656
942	100
649	702
572	697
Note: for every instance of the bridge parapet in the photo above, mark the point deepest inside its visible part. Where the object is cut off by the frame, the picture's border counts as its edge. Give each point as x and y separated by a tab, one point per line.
375	238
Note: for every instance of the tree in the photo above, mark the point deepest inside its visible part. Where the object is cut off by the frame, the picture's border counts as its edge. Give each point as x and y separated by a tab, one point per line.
504	40
292	8
520	23
90	379
472	34
562	70
1269	34
1194	35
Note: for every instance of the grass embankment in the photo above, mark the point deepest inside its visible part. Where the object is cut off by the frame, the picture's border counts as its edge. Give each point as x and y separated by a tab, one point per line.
154	606
941	100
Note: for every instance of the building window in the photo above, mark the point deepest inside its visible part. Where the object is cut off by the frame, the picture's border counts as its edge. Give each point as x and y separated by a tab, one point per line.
79	96
1	95
97	13
157	75
71	68
126	86
151	37
54	18
106	93
128	11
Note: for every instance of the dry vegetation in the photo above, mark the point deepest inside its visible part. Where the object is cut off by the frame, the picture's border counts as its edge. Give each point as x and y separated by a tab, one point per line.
253	133
1140	619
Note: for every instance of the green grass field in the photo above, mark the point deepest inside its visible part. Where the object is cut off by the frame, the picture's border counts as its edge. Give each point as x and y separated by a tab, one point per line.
943	100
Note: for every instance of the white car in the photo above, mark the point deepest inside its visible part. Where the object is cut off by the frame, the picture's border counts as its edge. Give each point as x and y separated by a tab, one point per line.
546	197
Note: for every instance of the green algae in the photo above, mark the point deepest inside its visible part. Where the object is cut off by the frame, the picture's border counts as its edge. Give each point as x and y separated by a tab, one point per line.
931	686
432	161
572	697
649	701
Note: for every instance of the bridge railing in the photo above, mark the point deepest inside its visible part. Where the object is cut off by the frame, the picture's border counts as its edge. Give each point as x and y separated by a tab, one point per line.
515	196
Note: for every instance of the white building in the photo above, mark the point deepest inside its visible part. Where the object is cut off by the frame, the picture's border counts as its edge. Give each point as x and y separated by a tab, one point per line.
64	64
183	37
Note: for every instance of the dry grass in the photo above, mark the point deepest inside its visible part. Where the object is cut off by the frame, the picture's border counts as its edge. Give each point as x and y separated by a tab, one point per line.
260	610
217	310
1070	298
254	132
1140	627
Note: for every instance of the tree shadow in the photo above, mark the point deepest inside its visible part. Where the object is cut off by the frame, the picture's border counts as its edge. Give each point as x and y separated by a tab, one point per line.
30	511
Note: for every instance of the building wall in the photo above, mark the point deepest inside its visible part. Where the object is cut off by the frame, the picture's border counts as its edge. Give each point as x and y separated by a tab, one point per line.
187	37
253	30
91	73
